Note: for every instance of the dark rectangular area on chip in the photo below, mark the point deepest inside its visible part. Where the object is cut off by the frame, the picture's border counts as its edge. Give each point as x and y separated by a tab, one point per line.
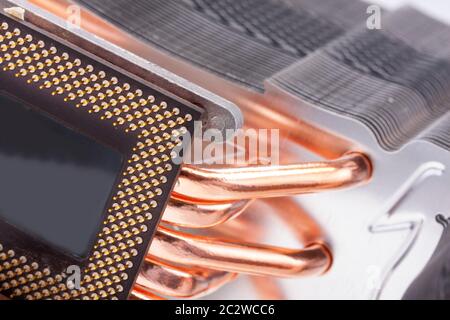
55	182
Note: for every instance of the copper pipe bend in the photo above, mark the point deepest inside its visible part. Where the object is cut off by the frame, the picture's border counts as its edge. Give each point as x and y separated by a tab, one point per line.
181	282
194	215
232	184
190	250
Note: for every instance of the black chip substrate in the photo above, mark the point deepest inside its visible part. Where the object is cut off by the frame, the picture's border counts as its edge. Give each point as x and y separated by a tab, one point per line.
86	165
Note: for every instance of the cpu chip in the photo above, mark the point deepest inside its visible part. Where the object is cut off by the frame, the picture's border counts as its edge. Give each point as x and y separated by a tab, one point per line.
86	162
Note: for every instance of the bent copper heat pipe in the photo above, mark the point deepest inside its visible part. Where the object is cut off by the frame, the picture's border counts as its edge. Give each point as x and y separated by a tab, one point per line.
194	215
179	281
188	212
303	226
203	214
298	221
141	293
247	227
233	184
268	288
183	282
190	282
190	250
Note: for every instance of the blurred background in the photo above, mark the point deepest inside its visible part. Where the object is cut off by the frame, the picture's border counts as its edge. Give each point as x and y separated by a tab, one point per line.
439	9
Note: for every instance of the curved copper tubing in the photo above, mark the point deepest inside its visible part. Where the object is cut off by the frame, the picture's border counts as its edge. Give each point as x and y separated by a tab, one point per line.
267	288
141	293
164	279
192	215
248	227
301	224
158	278
231	184
190	250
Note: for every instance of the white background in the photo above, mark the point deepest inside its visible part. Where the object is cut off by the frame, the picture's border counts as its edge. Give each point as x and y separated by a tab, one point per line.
439	9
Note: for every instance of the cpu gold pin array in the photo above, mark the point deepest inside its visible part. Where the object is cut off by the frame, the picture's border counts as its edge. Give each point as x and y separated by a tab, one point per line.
17	274
110	100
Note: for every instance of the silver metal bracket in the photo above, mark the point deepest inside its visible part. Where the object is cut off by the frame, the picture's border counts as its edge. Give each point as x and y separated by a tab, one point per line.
219	113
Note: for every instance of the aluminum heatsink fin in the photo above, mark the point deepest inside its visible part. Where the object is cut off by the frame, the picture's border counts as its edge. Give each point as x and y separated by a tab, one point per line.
226	37
393	80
